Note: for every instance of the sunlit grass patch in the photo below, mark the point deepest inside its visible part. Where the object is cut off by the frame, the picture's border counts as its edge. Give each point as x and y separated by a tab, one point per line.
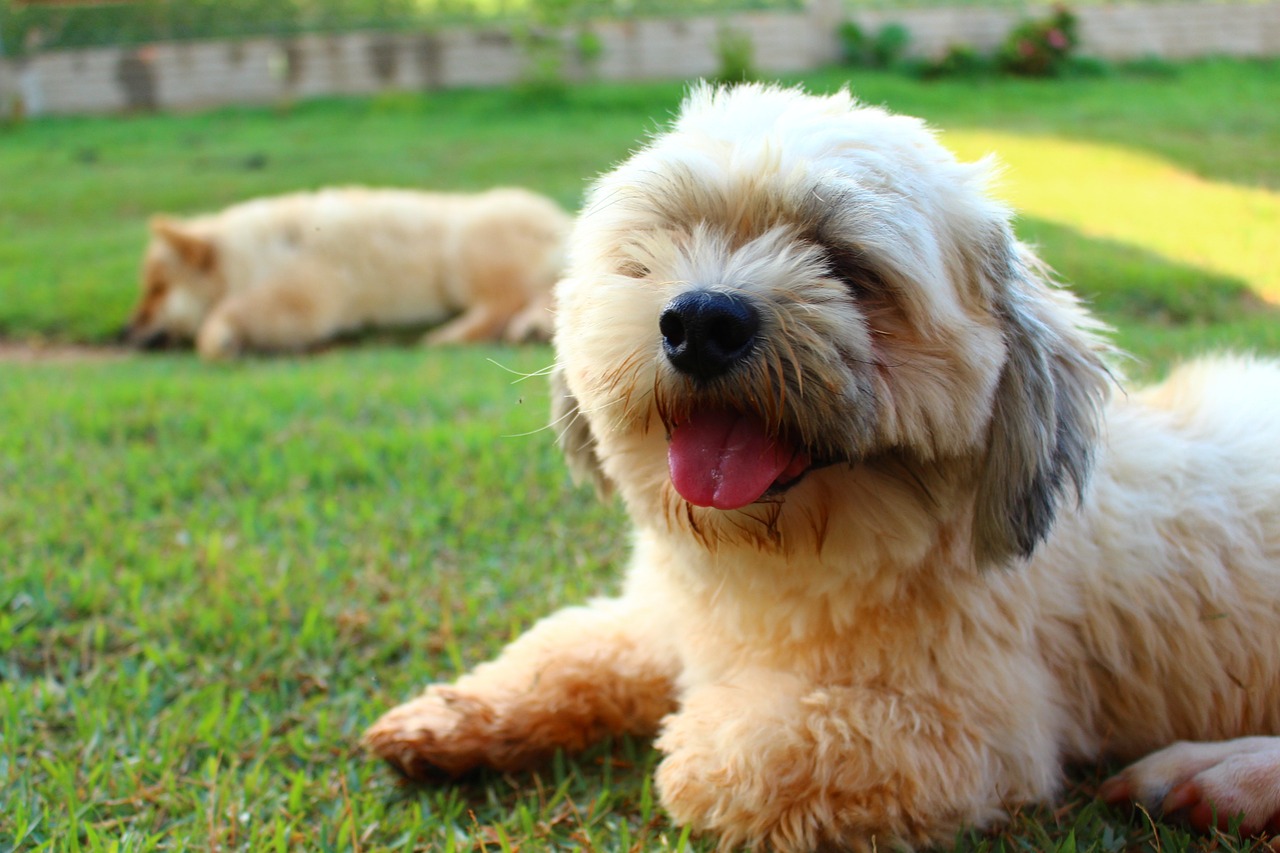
1122	195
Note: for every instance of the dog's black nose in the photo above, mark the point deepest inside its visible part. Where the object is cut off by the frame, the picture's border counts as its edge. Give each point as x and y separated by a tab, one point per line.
704	332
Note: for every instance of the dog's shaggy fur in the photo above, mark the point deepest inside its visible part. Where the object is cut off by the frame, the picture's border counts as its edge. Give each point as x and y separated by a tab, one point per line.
903	547
288	272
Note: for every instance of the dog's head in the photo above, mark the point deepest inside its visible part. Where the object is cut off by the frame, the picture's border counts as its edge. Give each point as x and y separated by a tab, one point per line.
794	317
181	281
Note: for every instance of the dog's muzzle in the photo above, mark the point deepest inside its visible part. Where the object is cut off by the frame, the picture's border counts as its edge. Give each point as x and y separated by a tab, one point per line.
720	456
706	332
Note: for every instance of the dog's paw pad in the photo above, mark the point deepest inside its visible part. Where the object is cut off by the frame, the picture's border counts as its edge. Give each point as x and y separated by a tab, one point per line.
1210	784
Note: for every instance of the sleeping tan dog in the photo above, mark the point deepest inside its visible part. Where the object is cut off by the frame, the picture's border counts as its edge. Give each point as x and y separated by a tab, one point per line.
903	549
286	273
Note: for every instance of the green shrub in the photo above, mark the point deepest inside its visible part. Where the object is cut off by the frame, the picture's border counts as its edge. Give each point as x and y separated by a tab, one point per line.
889	45
736	54
960	60
883	50
589	46
27	26
1040	48
543	77
854	44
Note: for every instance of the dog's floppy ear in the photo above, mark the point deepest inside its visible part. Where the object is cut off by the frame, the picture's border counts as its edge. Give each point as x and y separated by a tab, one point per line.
196	251
575	437
1046	410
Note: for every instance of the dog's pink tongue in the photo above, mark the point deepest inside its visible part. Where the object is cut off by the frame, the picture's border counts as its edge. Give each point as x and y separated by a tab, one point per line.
724	459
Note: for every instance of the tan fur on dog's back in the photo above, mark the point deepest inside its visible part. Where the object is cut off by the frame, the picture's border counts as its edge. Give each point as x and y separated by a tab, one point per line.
287	272
1163	638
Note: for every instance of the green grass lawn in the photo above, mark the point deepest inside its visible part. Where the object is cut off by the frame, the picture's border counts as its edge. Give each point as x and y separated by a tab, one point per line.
212	578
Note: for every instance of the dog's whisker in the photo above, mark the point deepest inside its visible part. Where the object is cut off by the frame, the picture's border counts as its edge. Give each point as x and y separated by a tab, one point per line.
795	363
571	416
528	433
601	407
520	375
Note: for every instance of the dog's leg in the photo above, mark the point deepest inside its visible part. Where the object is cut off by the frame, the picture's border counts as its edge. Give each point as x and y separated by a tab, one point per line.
291	312
766	759
1211	783
483	322
536	322
220	337
573	678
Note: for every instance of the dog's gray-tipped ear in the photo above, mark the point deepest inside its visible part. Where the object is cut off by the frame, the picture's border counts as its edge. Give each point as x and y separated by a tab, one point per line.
1046	413
575	438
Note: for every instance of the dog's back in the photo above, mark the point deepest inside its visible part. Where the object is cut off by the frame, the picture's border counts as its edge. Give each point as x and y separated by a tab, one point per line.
1175	565
393	255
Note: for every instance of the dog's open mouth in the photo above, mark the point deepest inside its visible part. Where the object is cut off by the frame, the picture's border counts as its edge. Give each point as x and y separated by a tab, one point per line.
727	460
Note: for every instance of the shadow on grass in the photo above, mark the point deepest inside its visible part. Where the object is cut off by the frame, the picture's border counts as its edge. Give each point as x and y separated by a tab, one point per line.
1162	311
600	799
1126	284
604	799
1078	821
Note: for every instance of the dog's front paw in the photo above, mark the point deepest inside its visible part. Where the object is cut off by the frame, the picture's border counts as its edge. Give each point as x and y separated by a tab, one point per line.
750	786
700	789
1211	783
441	734
218	340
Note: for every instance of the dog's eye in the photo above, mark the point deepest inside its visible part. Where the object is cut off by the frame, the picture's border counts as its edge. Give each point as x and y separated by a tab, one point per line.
852	268
632	268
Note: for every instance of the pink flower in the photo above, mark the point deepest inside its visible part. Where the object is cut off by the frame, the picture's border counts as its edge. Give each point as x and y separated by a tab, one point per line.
1057	39
1026	48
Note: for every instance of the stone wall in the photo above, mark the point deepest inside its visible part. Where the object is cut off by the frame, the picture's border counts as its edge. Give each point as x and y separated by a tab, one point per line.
184	75
1116	32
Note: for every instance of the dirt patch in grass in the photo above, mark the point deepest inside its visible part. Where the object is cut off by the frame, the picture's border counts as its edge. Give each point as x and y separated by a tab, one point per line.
23	352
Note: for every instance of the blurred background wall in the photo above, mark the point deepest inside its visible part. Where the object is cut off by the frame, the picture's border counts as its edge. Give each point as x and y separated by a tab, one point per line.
100	56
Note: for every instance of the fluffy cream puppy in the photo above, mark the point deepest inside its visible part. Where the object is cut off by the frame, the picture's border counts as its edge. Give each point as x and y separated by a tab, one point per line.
288	272
902	548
